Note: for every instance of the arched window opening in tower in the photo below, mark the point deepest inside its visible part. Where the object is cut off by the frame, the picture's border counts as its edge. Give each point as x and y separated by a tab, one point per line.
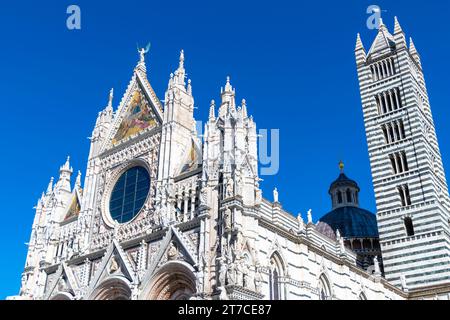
339	195
405	196
409	226
349	196
383	69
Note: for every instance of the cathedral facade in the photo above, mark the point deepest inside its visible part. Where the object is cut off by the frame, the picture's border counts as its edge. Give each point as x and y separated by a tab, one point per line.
163	214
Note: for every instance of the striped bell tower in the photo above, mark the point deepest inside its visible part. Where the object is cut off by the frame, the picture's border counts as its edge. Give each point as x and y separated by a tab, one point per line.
413	205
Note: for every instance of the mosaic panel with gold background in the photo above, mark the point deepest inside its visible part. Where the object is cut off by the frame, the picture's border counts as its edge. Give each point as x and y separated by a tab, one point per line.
138	117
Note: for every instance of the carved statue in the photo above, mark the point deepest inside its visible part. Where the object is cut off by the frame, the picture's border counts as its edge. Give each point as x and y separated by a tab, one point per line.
231	273
113	265
62	285
227	220
172	253
258	196
300	222
246	281
143	51
376	266
258	280
223	293
204	196
310	216
239	273
239	184
222	271
275	195
229	189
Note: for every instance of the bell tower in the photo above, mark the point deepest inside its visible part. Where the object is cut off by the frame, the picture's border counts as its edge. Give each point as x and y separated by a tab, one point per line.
408	176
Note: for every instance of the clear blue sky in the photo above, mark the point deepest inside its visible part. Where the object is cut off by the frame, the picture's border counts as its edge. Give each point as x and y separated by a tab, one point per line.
292	61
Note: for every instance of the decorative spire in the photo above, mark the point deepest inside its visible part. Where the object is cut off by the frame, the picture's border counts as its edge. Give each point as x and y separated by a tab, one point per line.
412	47
359	44
399	35
228	103
244	108
110	100
397	27
413	51
212	116
78	180
228	87
39	204
341	166
360	52
50	186
66	167
180	73
181	65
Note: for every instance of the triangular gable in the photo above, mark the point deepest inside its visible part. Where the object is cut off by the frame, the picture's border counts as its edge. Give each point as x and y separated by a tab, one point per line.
115	262
65	282
139	111
74	207
247	167
184	250
191	158
383	41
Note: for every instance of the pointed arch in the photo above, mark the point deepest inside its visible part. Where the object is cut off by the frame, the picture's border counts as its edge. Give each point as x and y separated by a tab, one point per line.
324	287
277	271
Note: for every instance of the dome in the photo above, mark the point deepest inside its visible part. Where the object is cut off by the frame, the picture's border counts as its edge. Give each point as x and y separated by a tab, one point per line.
352	222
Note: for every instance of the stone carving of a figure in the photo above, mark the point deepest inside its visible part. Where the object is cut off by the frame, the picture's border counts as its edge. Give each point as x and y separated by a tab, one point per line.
223	293
231	273
222	271
275	195
172	253
229	190
300	222
376	266
227	219
113	265
258	280
309	216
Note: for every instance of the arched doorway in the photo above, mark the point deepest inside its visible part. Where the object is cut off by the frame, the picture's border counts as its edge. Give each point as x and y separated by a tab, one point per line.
173	281
62	296
113	289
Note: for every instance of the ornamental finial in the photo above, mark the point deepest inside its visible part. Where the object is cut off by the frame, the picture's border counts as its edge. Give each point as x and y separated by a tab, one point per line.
341	166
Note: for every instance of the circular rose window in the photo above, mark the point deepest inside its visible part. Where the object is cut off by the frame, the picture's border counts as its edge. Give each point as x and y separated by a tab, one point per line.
129	194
